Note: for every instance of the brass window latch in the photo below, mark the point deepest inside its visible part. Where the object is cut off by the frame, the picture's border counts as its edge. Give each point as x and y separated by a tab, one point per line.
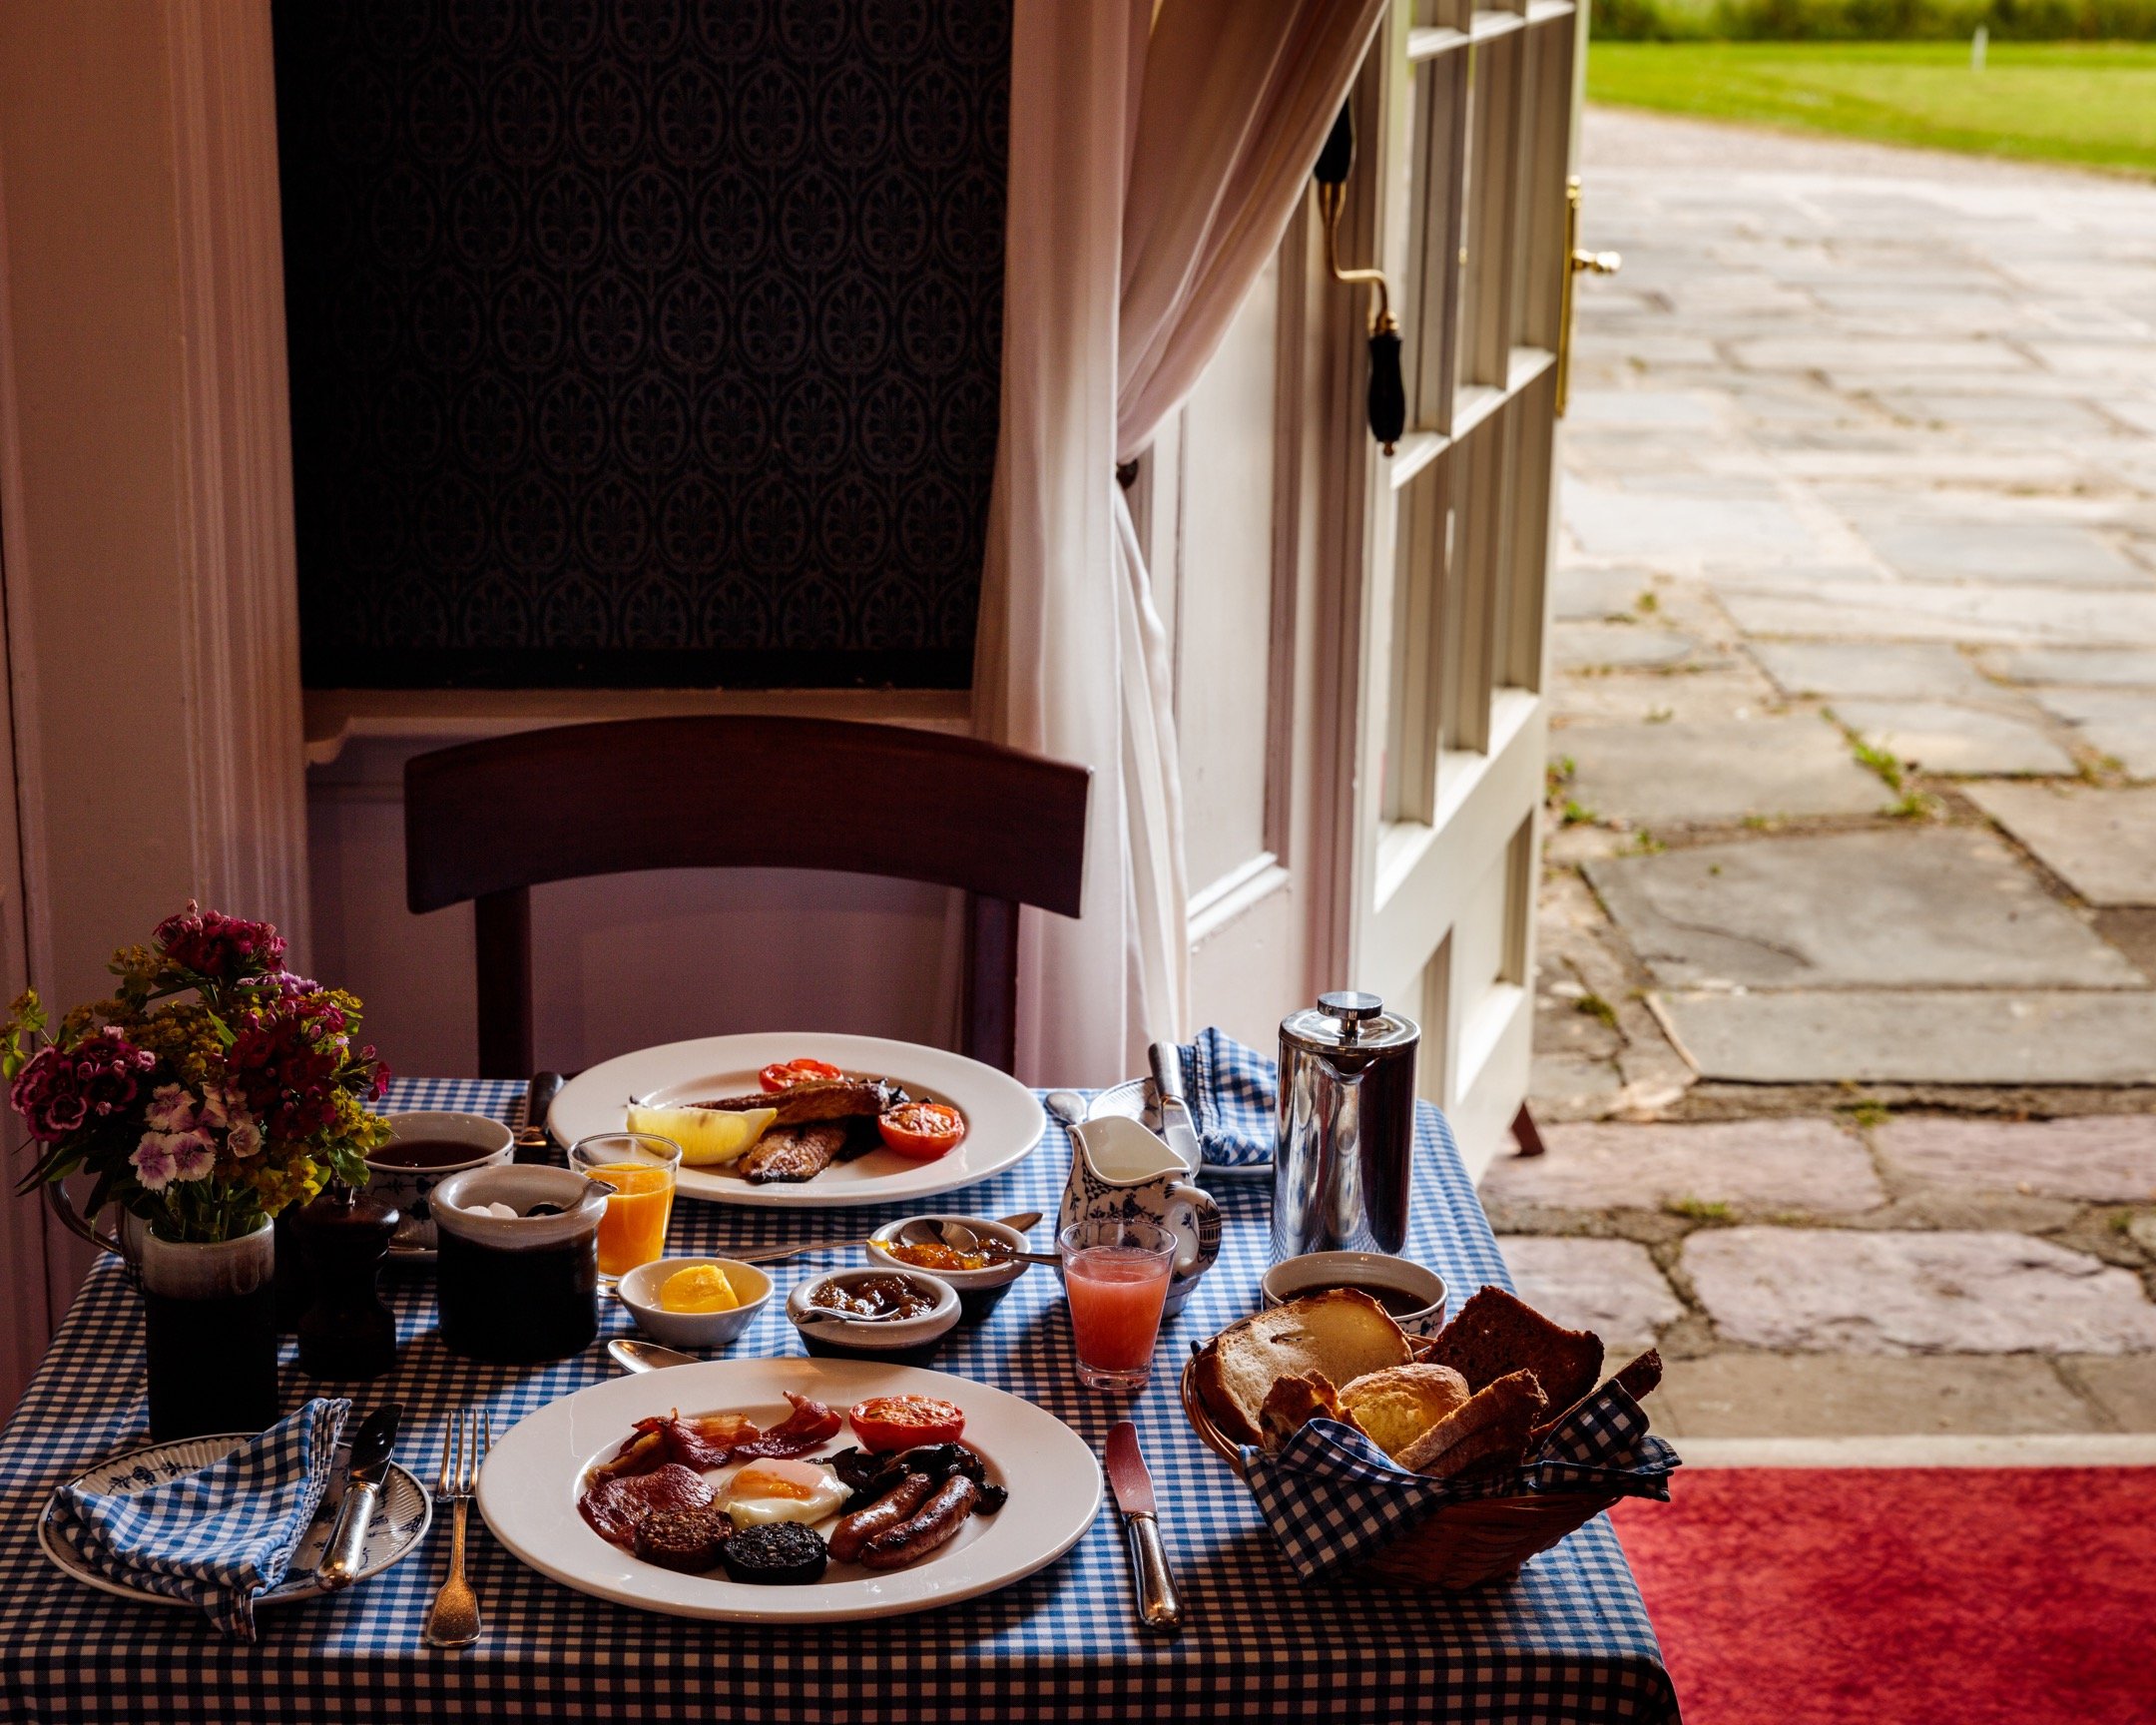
1595	263
1387	405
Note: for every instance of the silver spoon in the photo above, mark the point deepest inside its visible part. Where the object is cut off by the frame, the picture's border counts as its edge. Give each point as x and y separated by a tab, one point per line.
1067	1106
818	1315
959	1237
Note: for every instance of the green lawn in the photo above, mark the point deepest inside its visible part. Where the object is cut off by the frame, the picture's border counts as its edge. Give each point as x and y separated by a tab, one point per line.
2093	104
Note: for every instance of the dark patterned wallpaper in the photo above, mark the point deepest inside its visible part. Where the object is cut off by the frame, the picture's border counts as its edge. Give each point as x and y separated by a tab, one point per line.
642	342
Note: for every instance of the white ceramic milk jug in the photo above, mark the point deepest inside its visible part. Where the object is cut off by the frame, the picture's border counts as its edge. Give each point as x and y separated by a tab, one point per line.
1121	1172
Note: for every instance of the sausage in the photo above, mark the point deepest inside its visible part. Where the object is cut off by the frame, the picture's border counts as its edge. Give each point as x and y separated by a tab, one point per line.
934	1523
889	1511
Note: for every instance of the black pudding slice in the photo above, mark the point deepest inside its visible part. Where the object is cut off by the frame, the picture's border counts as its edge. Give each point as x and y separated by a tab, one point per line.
686	1539
776	1554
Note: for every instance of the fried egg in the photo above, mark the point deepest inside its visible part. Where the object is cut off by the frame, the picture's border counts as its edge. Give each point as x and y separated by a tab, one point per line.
780	1490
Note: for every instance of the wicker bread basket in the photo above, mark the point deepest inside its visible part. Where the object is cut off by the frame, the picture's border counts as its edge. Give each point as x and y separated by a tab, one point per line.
1464	1544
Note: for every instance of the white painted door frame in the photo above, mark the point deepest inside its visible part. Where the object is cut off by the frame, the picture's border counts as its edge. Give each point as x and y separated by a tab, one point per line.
1465	122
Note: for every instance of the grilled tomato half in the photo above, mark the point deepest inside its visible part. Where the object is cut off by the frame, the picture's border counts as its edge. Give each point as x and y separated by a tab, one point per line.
785	1074
887	1422
921	1130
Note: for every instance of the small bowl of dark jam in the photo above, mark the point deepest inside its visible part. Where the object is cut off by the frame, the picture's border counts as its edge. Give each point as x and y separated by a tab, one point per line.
1415	1296
875	1314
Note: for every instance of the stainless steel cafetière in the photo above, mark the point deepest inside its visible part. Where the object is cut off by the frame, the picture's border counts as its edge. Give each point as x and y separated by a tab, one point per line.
1341	1164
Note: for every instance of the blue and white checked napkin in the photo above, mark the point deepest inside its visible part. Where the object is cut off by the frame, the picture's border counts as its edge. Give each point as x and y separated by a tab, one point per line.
1232	1090
1332	1497
219	1538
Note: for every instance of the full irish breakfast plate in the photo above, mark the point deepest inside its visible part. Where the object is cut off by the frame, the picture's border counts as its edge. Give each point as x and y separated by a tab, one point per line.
790	1491
810	1119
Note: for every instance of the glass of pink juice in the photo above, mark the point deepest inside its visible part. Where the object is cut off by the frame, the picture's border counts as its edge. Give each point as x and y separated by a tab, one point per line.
1116	1277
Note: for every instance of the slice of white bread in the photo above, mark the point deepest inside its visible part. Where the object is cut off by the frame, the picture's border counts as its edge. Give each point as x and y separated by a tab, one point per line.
1397	1404
1494	1422
1340	1335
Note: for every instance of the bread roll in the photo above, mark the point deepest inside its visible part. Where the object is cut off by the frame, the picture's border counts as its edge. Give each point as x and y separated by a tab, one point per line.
1397	1404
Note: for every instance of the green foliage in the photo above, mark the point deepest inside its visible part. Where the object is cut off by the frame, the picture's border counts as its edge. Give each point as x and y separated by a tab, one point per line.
1595	1008
27	1018
1878	760
1700	1209
2091	104
1873	20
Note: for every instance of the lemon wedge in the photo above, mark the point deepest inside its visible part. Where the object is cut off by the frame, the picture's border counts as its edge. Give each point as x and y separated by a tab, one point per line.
700	1288
707	1136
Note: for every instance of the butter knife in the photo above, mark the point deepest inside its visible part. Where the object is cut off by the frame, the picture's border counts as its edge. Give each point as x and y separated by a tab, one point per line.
345	1555
1159	1609
1176	1125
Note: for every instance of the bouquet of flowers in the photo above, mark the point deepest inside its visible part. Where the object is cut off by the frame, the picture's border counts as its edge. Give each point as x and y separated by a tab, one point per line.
213	1090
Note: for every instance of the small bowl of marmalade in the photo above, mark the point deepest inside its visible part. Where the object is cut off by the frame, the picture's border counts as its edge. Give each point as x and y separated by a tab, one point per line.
981	1277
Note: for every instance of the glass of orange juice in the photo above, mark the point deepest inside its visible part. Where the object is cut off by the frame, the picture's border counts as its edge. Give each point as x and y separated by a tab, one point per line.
640	1166
1115	1274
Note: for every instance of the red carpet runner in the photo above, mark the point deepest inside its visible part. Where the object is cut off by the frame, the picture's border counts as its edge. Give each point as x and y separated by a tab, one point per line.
1904	1596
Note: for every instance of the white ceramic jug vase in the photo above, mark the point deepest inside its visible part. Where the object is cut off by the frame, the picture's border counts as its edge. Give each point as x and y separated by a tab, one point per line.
1121	1172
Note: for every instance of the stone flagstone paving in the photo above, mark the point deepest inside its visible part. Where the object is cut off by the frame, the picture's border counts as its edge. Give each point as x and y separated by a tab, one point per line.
1845	1048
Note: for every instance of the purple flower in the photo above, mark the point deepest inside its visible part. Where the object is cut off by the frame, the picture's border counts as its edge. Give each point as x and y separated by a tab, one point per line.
194	1154
243	1137
282	985
153	1159
163	1157
219	946
219	1104
170	1109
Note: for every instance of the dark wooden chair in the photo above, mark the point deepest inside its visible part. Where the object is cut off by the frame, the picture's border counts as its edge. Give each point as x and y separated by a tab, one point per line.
490	820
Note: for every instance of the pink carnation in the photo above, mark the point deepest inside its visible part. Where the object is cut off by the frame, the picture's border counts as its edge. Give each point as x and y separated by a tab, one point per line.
219	946
163	1157
62	1090
170	1109
194	1154
152	1161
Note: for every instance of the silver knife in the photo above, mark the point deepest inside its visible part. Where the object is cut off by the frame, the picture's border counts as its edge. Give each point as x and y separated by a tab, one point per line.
1159	1609
1176	1125
345	1554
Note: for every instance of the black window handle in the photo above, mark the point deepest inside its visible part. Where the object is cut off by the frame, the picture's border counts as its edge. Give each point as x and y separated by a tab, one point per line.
1387	389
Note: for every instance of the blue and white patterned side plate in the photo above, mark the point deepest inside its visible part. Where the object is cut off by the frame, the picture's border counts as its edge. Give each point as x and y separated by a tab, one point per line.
399	1527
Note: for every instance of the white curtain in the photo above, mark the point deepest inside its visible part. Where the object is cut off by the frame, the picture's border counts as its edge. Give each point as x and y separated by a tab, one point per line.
1154	163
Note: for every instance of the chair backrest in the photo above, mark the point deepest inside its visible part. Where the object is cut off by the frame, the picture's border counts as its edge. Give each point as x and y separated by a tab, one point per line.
489	820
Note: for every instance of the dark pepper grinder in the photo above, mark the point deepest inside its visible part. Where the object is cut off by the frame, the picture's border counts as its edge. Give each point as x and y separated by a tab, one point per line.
348	1331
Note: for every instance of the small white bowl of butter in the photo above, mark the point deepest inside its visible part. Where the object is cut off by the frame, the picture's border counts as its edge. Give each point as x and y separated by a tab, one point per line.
644	1291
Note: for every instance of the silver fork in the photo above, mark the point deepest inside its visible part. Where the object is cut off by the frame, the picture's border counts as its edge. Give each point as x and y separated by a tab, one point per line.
454	1620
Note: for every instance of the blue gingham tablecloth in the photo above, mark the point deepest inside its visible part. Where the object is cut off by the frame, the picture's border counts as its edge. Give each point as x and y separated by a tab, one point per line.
1568	1640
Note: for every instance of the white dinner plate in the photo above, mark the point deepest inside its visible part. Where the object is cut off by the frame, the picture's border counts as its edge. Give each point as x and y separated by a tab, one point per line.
1005	1121
529	1486
399	1523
